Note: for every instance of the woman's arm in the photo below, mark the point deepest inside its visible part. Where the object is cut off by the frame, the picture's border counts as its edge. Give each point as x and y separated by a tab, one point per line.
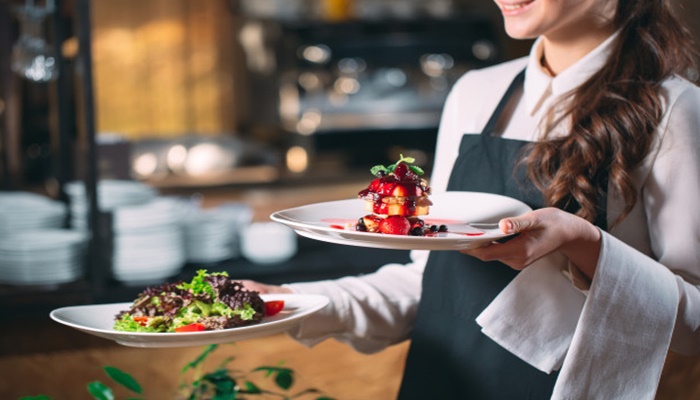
368	312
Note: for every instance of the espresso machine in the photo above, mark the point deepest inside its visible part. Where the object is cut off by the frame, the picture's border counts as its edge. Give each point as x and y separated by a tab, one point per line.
358	92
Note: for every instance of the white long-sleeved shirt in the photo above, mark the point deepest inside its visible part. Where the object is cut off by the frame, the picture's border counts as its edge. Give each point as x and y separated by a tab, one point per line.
647	283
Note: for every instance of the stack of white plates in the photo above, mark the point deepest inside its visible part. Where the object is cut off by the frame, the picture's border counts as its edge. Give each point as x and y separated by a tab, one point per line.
24	211
147	232
148	257
111	194
148	242
212	235
42	257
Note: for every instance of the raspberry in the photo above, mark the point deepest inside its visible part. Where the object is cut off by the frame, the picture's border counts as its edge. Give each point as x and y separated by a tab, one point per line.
395	225
403	172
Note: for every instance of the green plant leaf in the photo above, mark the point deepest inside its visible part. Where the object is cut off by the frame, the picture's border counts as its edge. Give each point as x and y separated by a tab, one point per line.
38	397
252	388
99	391
123	379
219	374
224	396
200	358
272	370
285	379
225	390
225	362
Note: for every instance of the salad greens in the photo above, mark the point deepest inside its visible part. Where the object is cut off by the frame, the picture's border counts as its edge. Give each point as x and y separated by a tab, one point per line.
207	302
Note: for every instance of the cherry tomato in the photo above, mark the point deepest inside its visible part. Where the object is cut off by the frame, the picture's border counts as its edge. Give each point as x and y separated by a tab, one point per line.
195	327
273	307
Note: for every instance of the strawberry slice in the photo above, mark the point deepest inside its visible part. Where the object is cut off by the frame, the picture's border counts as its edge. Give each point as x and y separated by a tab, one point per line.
395	225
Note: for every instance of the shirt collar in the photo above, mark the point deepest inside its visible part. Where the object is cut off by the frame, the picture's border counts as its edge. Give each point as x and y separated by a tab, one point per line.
539	86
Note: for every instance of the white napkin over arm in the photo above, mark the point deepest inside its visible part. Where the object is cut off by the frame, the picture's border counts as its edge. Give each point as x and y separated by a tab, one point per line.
536	315
622	333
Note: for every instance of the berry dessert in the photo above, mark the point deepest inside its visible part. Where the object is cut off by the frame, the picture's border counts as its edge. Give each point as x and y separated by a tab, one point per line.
396	198
209	302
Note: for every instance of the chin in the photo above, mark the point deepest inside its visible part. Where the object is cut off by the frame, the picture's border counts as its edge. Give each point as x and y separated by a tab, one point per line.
520	33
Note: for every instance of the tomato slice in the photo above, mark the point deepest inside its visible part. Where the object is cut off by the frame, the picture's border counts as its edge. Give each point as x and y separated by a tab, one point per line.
143	321
273	307
195	327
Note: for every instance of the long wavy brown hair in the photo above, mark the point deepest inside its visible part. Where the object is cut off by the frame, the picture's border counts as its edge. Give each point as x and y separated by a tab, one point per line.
614	114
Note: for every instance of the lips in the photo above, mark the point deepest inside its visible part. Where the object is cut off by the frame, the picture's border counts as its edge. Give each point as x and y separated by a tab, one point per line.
514	7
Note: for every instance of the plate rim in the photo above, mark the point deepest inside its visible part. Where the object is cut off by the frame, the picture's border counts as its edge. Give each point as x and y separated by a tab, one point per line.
330	234
186	339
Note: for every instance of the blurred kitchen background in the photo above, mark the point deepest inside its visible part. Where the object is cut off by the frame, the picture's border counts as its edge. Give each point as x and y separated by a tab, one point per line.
143	140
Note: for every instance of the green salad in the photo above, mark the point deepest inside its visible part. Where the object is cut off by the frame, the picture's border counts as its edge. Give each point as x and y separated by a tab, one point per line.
208	302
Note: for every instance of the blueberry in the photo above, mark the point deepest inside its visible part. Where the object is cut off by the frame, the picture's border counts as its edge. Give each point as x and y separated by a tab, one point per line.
442	228
417	231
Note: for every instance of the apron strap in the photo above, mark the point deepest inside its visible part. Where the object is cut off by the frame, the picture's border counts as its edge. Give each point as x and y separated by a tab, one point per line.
491	125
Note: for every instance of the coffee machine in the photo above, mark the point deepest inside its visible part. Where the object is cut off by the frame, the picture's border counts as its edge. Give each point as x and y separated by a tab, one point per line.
360	91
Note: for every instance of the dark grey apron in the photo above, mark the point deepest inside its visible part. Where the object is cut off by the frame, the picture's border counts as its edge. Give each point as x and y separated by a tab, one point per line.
449	357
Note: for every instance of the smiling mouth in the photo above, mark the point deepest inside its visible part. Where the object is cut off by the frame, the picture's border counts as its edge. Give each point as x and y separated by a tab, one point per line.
514	7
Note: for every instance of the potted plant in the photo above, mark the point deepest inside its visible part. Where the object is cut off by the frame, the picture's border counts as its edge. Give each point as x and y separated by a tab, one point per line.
222	383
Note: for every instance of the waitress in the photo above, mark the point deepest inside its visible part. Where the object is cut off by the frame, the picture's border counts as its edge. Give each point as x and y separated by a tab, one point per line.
598	131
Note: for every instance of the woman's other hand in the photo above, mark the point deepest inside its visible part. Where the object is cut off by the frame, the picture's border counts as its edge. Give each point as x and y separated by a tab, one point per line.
542	232
264	288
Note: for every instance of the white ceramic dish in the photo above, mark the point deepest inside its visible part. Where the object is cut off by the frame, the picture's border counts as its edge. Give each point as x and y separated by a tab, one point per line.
98	320
326	222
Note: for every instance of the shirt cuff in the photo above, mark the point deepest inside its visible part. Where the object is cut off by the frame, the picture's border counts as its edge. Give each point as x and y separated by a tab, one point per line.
578	278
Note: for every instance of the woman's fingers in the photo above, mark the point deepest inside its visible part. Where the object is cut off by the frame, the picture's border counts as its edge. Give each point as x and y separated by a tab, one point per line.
512	253
538	233
263	288
525	222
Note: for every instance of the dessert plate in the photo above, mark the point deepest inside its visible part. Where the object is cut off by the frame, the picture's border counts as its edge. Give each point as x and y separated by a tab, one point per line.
334	221
98	320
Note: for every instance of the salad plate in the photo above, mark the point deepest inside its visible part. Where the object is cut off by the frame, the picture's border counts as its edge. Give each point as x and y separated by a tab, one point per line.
471	219
98	320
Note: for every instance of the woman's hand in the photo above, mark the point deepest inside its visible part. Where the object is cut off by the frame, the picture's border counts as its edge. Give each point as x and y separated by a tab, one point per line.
542	232
264	288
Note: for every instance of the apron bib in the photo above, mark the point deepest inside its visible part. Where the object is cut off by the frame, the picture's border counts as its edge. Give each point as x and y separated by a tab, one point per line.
449	357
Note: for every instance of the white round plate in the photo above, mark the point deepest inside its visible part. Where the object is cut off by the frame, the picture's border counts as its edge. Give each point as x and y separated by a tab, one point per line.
98	320
457	210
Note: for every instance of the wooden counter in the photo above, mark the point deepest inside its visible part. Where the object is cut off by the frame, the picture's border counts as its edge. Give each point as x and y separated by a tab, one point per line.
331	367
